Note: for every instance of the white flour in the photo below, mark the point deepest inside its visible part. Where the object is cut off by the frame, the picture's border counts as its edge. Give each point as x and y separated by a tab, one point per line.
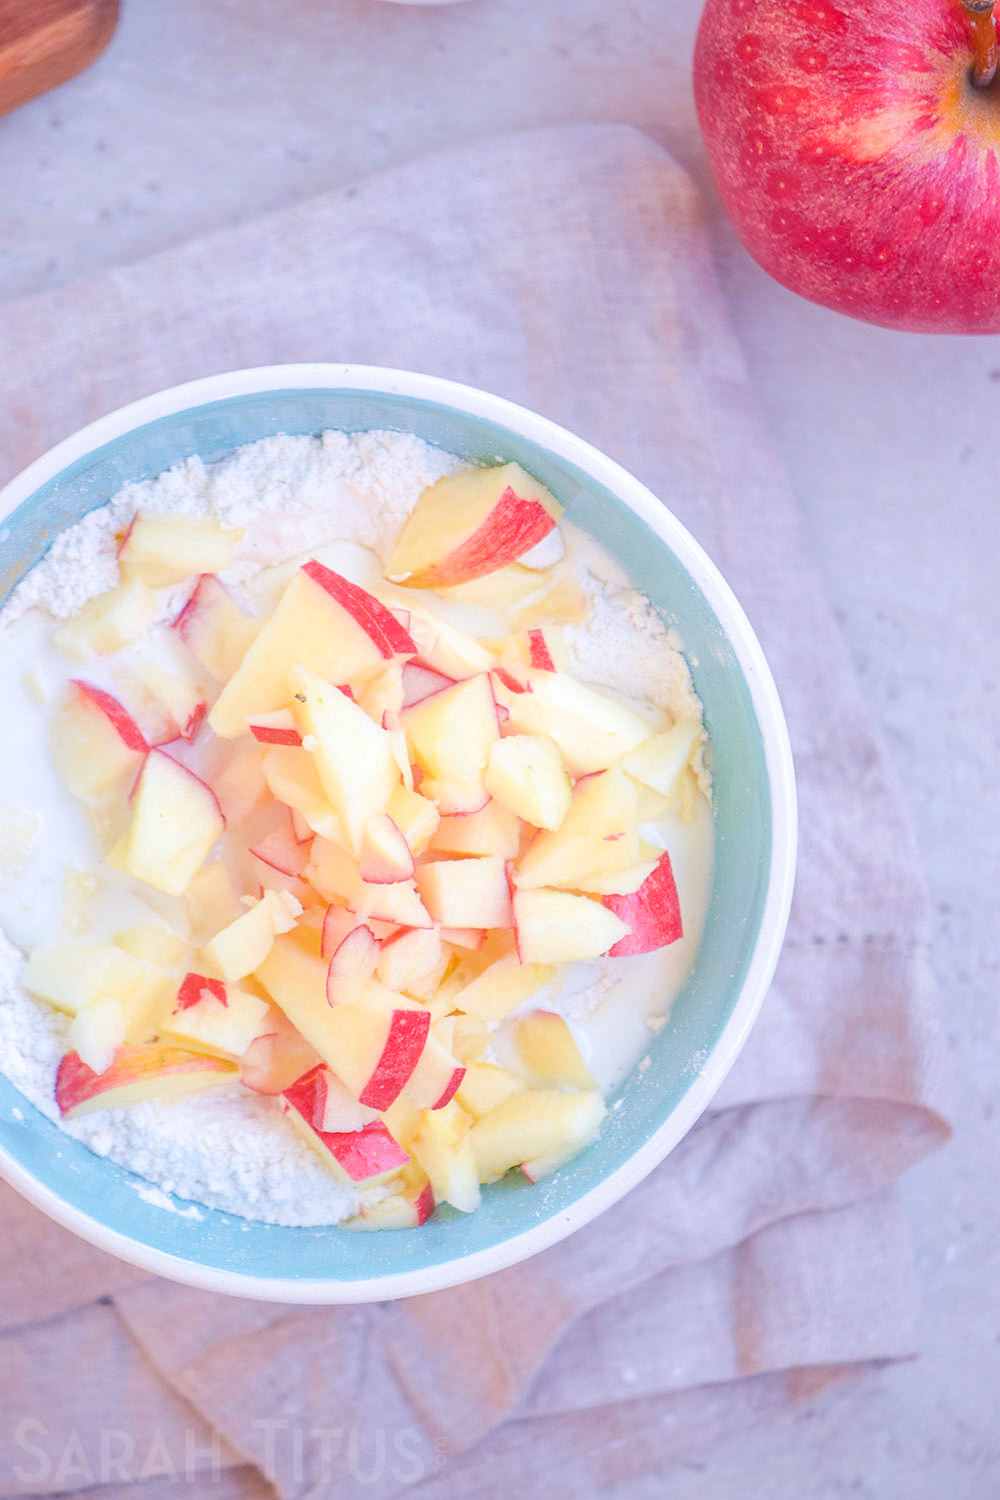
230	1149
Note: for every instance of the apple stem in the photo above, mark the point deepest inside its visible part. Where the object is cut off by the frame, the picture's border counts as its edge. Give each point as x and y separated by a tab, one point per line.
983	36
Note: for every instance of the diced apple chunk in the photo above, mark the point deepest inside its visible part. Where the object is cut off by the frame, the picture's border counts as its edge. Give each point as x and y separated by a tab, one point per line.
97	1031
175	821
599	833
442	1147
408	1208
591	728
653	912
217	634
436	1077
414	816
526	774
239	783
536	1123
242	947
466	892
659	761
70	978
322	623
353	756
558	927
492	830
94	741
212	900
216	1018
549	1052
137	1073
113	620
472	523
170	707
451	734
163	548
275	1059
486	1085
153	944
334	874
502	986
413	962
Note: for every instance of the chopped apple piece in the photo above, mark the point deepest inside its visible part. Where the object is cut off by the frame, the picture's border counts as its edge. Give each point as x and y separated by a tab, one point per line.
444	649
70	978
470	1037
324	624
97	1031
419	682
275	1059
436	1077
239	782
352	966
653	912
413	962
599	832
212	900
485	1086
137	1073
353	756
451	734
549	1052
442	1147
242	947
659	761
367	1154
414	816
557	927
591	728
217	634
280	850
334	874
526	775
466	892
109	622
153	944
163	548
213	1017
386	857
383	693
499	988
408	1208
275	729
175	821
472	523
472	938
94	742
492	830
335	1108
536	1123
616	882
173	705
372	1046
291	776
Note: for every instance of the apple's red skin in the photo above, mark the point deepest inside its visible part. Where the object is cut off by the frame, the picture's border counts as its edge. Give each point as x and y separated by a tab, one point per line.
858	163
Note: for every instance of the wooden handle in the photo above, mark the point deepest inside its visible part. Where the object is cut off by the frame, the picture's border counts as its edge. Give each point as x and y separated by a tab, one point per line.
44	42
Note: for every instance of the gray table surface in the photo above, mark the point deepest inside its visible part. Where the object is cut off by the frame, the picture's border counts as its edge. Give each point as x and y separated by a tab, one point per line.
203	114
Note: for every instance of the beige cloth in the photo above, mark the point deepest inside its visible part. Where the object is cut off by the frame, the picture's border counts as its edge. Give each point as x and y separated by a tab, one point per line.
767	1257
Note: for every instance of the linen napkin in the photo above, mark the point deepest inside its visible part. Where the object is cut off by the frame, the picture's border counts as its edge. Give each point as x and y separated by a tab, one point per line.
767	1257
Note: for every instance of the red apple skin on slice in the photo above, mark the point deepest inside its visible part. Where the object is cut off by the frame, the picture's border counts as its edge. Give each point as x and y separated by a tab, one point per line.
275	729
379	624
540	656
193	987
121	720
653	912
277	1059
420	682
136	1072
405	1042
95	741
361	1154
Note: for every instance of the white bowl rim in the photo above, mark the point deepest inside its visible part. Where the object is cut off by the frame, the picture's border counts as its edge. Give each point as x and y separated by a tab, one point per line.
784	822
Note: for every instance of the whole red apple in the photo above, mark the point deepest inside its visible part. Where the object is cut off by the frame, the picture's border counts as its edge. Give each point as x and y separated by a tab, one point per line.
857	155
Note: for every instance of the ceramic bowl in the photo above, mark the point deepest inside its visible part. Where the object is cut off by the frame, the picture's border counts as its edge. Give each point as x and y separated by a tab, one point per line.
754	862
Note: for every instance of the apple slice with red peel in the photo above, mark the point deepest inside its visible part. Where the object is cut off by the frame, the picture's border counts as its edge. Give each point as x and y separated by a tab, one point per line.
278	728
494	829
548	1051
591	728
383	692
291	776
372	1046
495	992
617	882
526	775
175	821
659	761
334	874
137	1073
466	892
352	966
415	816
386	857
216	1018
472	523
442	1147
451	734
169	706
367	1155
94	741
353	756
335	1108
281	850
214	630
486	1085
443	648
276	1058
534	1124
165	547
406	1209
437	1076
652	913
420	682
598	833
324	624
241	947
557	927
114	619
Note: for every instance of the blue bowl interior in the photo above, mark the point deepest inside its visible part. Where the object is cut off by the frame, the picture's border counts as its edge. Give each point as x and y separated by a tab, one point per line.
105	1191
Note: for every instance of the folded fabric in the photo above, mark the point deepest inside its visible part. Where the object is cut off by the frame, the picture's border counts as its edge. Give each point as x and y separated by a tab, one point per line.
767	1256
